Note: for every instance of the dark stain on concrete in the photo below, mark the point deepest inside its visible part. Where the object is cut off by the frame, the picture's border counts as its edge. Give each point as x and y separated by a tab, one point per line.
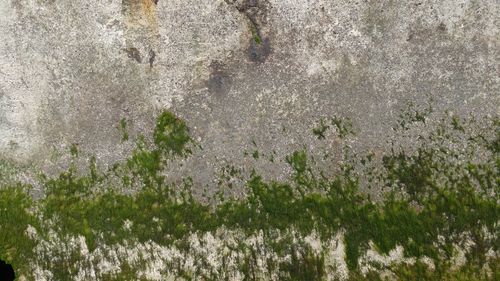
134	53
152	56
220	81
259	52
442	27
256	13
141	13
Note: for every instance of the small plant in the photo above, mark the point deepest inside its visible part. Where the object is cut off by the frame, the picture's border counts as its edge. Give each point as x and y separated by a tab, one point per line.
320	130
124	130
343	126
410	115
171	135
255	33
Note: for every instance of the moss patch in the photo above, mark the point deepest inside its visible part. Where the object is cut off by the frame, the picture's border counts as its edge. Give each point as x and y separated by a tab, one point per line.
436	198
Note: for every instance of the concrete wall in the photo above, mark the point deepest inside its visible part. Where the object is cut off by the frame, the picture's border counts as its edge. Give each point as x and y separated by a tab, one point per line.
71	70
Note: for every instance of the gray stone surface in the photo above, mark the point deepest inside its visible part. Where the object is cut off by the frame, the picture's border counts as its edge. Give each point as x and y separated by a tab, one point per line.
71	70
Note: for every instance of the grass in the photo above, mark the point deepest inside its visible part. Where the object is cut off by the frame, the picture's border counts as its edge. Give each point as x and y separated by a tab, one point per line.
255	33
434	196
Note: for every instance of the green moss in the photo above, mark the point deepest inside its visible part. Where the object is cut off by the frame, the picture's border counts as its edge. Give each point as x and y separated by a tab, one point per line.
320	130
7	172
171	135
123	129
411	115
255	33
431	194
73	150
16	247
342	126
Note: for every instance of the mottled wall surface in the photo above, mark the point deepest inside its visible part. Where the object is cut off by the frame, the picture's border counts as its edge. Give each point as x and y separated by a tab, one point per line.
236	70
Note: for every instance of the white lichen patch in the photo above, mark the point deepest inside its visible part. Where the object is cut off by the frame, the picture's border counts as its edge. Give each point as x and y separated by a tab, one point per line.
219	254
372	260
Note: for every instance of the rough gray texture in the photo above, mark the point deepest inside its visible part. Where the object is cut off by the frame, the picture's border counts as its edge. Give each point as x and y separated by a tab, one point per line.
70	70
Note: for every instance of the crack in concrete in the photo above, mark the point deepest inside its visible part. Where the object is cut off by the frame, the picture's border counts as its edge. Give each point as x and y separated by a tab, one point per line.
152	56
250	9
134	53
255	12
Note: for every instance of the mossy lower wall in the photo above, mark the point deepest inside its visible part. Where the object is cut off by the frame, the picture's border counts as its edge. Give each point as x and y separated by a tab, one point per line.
435	218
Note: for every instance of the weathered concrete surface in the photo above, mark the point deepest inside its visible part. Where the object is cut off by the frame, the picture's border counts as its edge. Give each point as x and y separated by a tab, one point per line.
70	70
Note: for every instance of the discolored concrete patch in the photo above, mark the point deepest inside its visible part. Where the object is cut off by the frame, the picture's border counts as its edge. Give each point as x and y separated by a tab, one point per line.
236	70
219	83
259	51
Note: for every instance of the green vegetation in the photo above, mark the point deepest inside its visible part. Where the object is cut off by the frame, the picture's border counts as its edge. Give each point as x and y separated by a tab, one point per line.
123	129
15	216
255	33
441	196
342	126
7	172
